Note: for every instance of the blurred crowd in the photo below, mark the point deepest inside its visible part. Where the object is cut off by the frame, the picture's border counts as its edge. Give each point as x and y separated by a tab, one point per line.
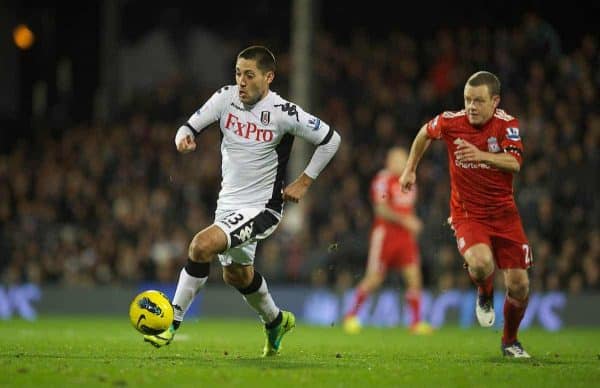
116	204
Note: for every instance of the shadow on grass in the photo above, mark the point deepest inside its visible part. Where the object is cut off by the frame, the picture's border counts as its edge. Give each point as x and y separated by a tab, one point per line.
94	357
541	361
280	362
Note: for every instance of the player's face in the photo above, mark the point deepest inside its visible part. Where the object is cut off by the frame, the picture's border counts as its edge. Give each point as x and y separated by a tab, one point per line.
479	104
252	82
396	160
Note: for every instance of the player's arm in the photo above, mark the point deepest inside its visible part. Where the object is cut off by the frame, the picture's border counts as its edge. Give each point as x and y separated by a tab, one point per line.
502	161
206	115
300	123
320	158
417	149
408	221
467	152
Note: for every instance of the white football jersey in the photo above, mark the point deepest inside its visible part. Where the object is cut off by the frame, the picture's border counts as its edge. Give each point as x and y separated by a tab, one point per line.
256	145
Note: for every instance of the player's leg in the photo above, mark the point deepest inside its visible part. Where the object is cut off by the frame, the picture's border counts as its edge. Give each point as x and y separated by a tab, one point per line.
204	247
474	244
515	305
413	279
202	250
514	257
369	284
255	292
374	277
244	229
480	266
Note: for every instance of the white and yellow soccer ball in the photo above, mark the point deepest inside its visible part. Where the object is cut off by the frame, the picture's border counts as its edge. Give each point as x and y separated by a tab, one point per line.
151	312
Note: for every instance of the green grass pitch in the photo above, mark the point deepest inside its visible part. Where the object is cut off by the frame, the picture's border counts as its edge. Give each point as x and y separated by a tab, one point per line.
108	352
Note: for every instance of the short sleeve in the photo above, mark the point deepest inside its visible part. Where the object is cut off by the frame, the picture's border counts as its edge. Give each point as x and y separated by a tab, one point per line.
435	127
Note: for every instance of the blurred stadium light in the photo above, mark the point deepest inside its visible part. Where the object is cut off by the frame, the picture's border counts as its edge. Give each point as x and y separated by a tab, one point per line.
23	36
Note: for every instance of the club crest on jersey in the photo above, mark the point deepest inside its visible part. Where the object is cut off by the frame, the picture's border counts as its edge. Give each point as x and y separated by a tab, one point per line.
492	143
512	133
265	117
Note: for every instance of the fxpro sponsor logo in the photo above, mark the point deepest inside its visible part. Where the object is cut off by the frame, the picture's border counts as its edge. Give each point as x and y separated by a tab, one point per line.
248	130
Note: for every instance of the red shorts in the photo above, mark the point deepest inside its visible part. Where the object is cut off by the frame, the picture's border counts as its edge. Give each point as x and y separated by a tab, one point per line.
388	249
505	237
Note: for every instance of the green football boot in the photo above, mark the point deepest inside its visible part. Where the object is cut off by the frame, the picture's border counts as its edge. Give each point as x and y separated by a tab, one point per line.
275	335
161	339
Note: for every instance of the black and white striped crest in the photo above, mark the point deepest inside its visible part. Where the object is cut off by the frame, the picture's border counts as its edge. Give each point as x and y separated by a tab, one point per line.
265	117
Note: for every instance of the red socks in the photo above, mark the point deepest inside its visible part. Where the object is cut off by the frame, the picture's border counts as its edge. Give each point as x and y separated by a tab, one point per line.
413	299
359	299
514	310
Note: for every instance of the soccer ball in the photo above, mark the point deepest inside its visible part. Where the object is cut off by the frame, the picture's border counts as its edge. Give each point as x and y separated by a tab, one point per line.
151	312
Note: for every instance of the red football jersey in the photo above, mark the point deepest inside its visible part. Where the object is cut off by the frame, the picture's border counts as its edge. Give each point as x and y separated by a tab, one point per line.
478	190
386	188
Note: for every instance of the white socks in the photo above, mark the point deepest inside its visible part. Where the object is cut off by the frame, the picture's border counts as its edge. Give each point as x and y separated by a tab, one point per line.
259	298
187	289
262	302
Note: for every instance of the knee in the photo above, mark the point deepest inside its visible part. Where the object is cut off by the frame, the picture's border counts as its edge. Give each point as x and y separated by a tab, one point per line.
414	284
370	282
200	250
518	288
481	264
236	279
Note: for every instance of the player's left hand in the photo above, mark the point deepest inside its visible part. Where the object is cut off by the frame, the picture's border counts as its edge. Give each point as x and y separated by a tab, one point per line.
467	152
297	189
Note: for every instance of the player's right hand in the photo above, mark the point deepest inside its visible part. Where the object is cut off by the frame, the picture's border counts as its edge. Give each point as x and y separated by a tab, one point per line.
407	180
187	144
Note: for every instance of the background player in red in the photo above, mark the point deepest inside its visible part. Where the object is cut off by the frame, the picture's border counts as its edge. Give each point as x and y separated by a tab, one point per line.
484	151
393	242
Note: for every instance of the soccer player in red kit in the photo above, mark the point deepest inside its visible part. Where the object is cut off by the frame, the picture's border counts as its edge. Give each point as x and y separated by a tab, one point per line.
484	151
393	242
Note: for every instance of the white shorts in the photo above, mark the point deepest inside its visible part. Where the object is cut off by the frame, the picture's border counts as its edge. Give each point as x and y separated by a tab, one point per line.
243	228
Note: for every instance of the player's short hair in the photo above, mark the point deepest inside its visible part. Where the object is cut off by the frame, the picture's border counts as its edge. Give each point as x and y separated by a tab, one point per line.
265	60
488	79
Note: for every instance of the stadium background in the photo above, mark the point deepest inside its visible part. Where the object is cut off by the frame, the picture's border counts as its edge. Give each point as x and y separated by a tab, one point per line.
95	202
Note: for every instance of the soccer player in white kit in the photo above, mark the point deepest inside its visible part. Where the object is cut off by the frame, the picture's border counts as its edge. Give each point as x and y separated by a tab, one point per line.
258	127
